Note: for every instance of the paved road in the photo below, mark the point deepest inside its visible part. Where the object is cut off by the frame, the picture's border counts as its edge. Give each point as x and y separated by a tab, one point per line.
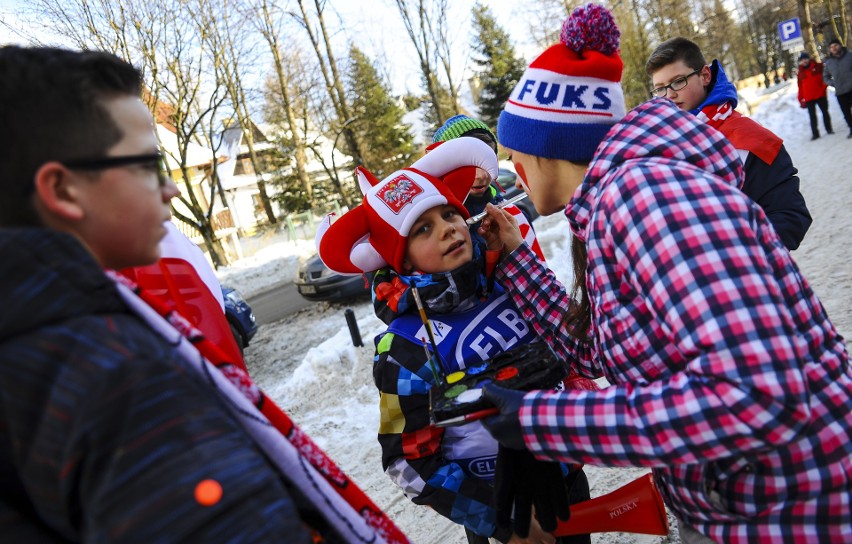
277	303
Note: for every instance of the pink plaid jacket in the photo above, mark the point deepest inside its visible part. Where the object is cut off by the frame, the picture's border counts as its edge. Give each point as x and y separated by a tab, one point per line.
728	378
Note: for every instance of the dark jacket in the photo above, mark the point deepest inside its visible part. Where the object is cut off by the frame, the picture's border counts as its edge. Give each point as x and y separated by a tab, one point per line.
104	432
770	177
838	72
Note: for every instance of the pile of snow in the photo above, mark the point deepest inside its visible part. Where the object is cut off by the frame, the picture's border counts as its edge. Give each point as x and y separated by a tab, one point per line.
308	365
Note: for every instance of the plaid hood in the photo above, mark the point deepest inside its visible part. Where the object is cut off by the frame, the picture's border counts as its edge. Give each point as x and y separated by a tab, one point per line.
659	131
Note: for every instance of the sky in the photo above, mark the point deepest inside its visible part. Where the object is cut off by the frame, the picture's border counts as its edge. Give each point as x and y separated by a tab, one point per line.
373	25
307	363
387	38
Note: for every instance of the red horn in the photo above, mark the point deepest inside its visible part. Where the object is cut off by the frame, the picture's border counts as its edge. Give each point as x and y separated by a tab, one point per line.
636	507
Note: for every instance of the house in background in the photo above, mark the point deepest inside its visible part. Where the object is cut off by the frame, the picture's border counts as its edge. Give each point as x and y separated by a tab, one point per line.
237	209
199	160
239	180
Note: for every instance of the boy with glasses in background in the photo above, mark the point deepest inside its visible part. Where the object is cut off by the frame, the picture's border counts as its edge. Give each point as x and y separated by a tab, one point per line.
679	72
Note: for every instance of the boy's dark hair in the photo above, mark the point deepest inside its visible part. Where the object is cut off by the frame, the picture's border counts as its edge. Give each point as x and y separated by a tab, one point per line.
673	50
52	108
484	135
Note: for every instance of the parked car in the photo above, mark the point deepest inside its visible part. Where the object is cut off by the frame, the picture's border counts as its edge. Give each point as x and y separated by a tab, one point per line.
240	317
317	282
506	177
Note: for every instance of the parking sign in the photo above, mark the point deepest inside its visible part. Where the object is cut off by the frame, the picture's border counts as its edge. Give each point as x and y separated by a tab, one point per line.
791	34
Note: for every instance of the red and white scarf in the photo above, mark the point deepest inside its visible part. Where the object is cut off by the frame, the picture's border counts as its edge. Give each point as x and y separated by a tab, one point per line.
345	506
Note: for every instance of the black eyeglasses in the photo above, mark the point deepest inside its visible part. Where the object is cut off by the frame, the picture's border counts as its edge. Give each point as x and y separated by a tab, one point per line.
675	85
155	161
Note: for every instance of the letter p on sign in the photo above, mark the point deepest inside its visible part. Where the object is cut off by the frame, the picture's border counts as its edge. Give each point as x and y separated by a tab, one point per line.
789	30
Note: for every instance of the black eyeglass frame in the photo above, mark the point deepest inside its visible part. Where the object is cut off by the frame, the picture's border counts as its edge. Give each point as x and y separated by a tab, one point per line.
104	163
676	82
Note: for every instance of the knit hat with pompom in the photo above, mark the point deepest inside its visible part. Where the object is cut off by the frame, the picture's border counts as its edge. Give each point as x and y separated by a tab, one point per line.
570	95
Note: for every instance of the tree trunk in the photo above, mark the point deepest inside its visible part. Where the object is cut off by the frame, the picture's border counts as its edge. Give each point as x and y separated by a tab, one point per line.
332	81
268	31
214	246
422	45
808	29
344	113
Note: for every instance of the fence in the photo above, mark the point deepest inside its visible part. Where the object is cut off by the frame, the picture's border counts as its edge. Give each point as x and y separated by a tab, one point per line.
221	222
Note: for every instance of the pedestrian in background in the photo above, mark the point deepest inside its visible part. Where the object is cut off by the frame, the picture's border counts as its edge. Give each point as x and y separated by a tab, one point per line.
838	74
812	92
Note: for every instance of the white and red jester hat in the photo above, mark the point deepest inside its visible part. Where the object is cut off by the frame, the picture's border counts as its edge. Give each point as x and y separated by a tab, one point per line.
374	234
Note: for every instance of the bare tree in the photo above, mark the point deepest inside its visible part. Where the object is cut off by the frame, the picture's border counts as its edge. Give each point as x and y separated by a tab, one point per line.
545	20
267	18
228	49
635	50
157	37
419	18
840	36
315	27
671	18
808	28
444	40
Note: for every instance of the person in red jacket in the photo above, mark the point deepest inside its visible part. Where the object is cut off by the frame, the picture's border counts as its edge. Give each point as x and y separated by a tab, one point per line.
812	92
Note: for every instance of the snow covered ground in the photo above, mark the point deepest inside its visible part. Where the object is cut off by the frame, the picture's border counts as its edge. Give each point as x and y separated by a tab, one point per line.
308	365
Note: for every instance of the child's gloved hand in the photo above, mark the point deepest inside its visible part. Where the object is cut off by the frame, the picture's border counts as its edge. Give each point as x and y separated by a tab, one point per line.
505	427
524	485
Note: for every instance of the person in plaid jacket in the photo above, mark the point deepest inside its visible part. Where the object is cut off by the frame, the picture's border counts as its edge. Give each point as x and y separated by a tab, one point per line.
728	378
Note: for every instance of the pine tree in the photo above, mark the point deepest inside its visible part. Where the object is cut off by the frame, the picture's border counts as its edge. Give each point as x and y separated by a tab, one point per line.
386	143
500	67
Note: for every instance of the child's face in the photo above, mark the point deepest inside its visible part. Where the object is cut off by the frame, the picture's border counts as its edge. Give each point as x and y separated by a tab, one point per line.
689	97
439	241
480	182
125	207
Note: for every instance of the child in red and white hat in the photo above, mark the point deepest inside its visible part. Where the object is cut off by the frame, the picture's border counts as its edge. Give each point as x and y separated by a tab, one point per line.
414	221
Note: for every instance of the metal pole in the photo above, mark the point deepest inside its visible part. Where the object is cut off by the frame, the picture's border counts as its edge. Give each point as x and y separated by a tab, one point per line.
353	328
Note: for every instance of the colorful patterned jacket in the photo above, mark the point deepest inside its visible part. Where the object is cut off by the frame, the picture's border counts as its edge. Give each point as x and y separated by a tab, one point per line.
728	378
448	469
417	456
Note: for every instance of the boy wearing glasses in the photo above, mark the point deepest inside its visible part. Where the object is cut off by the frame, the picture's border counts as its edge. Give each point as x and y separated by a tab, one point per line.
679	72
108	433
